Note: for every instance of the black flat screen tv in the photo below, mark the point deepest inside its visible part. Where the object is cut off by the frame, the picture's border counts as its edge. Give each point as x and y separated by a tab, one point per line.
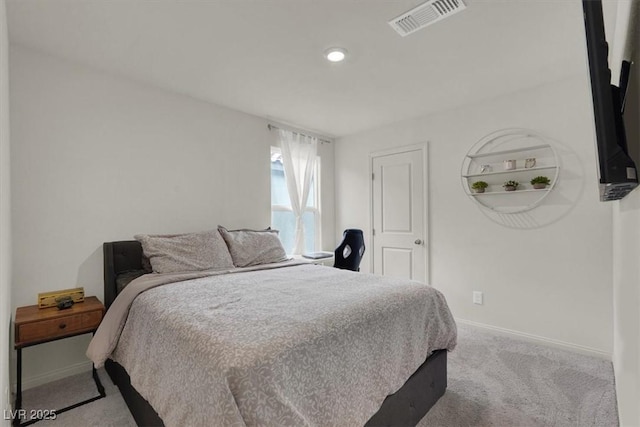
617	170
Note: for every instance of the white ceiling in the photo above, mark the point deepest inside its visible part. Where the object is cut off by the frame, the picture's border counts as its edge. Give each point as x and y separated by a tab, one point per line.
264	57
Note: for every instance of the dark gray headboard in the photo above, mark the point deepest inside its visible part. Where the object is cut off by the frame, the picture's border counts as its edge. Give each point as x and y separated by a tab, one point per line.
119	257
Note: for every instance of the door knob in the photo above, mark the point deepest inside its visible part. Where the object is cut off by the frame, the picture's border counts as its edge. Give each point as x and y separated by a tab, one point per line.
418	242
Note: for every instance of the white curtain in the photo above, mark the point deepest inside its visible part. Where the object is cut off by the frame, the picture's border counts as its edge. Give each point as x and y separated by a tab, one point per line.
298	158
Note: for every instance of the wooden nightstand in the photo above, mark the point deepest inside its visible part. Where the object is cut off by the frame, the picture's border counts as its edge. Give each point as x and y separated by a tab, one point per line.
36	326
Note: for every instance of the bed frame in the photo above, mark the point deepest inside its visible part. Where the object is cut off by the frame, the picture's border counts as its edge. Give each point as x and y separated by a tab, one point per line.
406	407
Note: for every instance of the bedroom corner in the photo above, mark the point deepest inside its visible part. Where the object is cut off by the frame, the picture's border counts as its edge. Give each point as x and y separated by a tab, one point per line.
469	249
120	137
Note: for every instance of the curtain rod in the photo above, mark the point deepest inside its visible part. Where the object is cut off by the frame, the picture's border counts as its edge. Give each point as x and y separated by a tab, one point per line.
271	127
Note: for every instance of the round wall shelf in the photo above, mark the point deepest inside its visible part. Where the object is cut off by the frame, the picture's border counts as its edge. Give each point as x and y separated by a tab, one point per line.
510	155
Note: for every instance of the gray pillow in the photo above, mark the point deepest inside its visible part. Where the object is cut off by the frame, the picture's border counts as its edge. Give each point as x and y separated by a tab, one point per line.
253	247
174	253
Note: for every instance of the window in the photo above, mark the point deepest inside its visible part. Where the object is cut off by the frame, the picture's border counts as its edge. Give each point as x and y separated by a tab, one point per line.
282	217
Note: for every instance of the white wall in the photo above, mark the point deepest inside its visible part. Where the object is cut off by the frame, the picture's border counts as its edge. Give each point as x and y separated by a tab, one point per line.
552	282
626	294
626	278
5	222
98	158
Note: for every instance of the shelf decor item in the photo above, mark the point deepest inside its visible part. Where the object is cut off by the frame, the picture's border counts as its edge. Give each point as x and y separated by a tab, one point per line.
485	168
479	186
509	165
540	182
511	185
529	163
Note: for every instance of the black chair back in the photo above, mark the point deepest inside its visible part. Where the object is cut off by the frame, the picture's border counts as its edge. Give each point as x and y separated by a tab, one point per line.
349	254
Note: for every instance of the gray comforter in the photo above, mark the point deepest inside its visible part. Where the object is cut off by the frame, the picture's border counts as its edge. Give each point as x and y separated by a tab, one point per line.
301	345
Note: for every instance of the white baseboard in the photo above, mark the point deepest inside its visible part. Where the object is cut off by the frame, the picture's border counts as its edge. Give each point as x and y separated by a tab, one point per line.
58	374
576	348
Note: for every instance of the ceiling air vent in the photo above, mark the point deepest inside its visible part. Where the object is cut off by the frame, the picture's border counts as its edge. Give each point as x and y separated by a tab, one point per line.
425	14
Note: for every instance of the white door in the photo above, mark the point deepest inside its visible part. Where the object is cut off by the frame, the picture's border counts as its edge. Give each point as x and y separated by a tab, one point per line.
399	231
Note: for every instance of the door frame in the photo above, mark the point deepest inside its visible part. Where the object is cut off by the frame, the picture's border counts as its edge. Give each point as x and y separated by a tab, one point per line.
424	148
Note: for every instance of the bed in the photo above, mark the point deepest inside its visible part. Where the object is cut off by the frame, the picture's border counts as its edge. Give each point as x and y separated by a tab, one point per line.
405	403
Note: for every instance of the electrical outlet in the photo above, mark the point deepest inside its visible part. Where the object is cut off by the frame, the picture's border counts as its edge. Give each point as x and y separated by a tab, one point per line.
477	297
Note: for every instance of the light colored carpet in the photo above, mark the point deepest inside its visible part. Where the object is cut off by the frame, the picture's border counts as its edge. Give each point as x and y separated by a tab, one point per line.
500	381
106	412
493	381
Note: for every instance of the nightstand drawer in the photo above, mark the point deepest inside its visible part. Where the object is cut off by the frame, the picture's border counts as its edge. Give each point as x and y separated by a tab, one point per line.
58	327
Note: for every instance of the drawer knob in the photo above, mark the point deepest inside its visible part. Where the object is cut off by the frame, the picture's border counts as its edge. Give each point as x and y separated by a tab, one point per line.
62	325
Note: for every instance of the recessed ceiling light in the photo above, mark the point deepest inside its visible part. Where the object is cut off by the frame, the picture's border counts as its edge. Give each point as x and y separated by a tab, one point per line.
335	54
